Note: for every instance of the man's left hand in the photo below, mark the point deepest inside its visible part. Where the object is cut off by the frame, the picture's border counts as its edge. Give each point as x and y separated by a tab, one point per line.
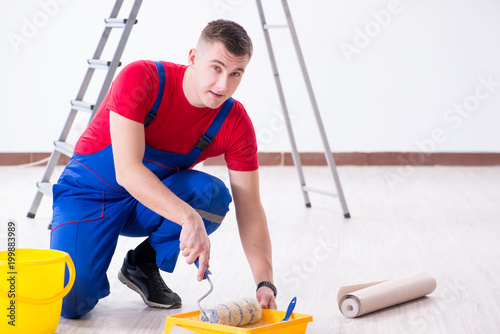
266	299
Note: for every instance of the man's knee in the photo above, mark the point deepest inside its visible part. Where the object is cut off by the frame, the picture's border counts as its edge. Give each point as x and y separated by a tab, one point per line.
201	191
84	296
216	193
79	301
90	284
74	309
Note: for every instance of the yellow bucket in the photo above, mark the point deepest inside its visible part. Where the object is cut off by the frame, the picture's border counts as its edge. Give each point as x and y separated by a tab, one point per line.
32	289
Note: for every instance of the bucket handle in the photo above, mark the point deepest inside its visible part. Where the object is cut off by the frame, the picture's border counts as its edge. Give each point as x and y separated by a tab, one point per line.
60	294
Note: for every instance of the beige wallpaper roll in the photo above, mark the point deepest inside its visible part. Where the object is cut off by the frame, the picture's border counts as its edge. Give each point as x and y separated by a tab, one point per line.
357	300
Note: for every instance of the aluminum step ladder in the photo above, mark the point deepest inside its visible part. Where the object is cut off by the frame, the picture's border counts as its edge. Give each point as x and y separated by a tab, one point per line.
295	154
44	187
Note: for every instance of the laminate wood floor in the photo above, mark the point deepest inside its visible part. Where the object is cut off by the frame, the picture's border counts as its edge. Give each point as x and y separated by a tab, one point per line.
443	220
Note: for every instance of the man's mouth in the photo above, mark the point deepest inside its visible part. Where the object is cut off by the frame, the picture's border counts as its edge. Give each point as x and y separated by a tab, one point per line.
216	95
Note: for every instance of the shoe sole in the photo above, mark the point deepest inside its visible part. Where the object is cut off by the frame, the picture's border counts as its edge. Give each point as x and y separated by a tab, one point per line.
134	287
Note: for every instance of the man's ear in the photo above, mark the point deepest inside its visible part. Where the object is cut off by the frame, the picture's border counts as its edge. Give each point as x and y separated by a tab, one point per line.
193	55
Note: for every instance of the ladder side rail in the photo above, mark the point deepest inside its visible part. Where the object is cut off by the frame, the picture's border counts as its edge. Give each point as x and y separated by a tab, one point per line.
117	56
35	204
51	164
328	152
295	153
107	30
90	71
72	114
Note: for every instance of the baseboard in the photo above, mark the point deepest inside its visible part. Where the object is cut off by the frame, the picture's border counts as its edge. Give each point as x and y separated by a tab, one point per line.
312	159
375	159
29	158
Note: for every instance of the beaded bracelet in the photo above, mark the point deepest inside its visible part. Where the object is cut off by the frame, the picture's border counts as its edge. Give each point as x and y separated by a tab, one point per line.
269	285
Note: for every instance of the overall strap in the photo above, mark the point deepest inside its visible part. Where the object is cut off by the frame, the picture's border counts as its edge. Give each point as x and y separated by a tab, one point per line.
209	135
161	76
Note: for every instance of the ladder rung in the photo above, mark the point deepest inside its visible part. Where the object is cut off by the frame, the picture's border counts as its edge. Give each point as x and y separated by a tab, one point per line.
319	191
82	106
274	26
64	147
101	64
116	23
45	187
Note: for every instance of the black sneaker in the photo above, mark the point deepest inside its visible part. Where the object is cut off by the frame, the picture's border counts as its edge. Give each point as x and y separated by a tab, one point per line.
145	279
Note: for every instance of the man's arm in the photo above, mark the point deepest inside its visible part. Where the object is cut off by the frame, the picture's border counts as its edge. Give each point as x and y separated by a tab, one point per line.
128	142
254	233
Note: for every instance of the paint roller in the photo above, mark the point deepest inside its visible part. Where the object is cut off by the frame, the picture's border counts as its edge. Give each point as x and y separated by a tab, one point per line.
238	312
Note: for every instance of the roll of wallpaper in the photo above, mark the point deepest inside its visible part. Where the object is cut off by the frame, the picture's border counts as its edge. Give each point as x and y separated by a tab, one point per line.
357	300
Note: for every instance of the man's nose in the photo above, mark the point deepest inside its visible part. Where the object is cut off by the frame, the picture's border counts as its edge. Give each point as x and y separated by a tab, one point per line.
221	84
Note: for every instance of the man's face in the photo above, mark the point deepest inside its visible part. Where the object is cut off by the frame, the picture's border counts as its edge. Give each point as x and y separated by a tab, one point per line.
216	74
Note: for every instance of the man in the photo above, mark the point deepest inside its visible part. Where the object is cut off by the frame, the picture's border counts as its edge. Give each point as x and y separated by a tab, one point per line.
131	175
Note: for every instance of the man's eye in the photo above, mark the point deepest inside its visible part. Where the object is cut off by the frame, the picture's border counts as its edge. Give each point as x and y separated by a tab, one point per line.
215	67
236	74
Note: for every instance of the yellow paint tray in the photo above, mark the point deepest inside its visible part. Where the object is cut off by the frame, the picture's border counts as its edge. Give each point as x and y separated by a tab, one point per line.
270	323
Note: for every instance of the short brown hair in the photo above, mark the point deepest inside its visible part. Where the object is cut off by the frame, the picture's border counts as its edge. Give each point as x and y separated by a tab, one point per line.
233	36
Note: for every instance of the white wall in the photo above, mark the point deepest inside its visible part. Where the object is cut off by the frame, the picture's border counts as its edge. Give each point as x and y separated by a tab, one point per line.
389	75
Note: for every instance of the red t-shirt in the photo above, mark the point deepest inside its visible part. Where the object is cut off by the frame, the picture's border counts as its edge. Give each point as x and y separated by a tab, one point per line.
178	125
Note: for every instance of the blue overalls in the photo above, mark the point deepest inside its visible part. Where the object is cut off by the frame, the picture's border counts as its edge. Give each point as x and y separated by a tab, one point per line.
91	210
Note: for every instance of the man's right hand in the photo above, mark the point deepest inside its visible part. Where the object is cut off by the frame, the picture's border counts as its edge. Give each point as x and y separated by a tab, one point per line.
195	244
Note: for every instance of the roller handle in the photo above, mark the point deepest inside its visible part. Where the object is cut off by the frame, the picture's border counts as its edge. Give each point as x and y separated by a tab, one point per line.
207	272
